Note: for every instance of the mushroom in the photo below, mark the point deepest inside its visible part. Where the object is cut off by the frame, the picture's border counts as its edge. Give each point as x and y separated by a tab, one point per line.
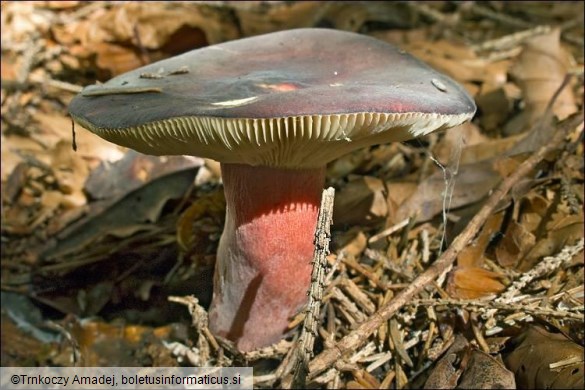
274	110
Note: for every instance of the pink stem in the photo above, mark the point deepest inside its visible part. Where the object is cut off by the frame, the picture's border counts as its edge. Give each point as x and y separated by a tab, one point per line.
264	258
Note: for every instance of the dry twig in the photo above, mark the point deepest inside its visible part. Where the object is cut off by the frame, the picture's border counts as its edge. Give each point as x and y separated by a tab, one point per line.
304	347
547	265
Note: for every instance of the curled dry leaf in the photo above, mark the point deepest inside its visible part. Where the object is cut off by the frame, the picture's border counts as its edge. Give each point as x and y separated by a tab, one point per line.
473	283
495	105
57	128
361	201
486	372
539	71
170	27
70	173
113	180
456	60
458	140
562	230
517	241
130	213
473	254
352	242
463	367
473	182
264	17
363	380
545	360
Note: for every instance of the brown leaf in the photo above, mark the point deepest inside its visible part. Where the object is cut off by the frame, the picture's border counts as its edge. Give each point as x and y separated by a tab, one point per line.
131	213
361	201
473	255
56	128
363	380
456	60
134	170
485	372
460	139
569	229
466	368
261	18
473	283
473	182
103	344
70	171
539	71
449	368
352	242
129	34
544	360
495	106
516	243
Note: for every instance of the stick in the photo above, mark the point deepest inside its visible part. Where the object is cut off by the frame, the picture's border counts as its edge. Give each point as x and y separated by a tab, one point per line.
359	336
304	347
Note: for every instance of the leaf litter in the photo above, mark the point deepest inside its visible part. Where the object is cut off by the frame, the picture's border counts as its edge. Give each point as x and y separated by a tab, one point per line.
91	270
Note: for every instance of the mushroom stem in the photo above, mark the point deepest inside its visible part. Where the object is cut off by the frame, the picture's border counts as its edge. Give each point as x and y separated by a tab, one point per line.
264	258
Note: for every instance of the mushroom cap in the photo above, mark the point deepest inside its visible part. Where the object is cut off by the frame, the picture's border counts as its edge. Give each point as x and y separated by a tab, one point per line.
293	99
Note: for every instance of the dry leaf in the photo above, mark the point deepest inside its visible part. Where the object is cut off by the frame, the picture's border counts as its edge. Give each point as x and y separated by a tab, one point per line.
352	242
70	172
539	71
485	372
472	183
261	18
134	212
544	360
495	106
464	368
113	180
361	201
473	283
129	34
103	344
363	380
449	368
571	230
473	254
457	141
456	60
517	241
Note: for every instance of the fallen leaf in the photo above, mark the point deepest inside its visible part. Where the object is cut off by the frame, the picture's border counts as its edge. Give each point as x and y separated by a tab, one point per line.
486	372
352	242
112	180
361	201
133	212
517	241
539	71
473	283
463	367
473	254
545	360
472	183
261	18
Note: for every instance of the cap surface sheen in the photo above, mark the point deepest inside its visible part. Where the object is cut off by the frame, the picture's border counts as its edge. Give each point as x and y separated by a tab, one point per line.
296	98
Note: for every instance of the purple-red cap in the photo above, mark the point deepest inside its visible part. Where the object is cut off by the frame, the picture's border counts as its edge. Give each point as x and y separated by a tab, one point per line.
297	98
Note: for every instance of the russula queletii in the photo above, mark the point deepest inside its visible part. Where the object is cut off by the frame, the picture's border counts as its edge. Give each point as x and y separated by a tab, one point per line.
274	109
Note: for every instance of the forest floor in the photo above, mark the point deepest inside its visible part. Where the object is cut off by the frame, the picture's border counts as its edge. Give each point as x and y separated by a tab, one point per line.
108	255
